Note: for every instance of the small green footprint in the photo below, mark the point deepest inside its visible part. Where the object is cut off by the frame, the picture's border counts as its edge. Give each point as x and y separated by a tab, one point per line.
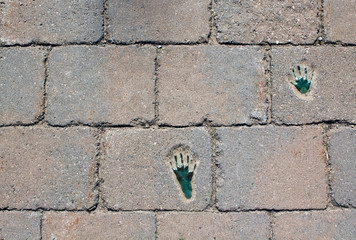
180	167
302	83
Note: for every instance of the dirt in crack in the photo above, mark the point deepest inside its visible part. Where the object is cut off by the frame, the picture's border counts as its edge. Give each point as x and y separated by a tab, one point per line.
183	165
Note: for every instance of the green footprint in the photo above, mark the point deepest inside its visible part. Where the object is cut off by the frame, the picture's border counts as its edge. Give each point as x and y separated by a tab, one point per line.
180	167
302	83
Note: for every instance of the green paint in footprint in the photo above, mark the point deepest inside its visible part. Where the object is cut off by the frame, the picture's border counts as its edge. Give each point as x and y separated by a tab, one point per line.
180	167
302	83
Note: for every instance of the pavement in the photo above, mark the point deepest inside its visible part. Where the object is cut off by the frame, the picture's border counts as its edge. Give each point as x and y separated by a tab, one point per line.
173	119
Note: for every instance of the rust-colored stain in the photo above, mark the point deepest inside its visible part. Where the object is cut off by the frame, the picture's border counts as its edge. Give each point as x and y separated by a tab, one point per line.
261	86
107	146
91	181
2	164
89	202
91	115
90	195
297	153
48	220
40	103
322	156
72	224
91	173
327	10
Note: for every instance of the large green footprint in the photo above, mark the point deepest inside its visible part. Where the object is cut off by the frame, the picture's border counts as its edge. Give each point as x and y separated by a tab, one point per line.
180	167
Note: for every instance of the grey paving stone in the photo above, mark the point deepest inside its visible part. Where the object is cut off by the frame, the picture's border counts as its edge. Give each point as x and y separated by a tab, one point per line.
332	225
340	20
112	84
137	174
271	21
21	85
50	21
99	225
158	20
208	225
271	168
332	95
224	84
47	168
342	152
20	225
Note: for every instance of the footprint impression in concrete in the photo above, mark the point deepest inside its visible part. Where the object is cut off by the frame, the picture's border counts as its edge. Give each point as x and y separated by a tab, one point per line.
302	83
183	165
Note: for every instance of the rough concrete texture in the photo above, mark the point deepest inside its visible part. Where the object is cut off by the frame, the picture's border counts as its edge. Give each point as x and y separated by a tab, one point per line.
20	225
224	84
99	225
137	173
50	21
98	96
47	168
158	20
332	95
271	168
208	225
113	85
342	152
340	20
327	225
270	21
21	85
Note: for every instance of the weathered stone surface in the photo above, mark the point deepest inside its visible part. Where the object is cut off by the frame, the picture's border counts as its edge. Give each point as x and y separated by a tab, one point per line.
20	225
158	20
271	168
333	224
21	85
137	174
50	21
224	84
340	20
342	152
113	85
332	95
267	21
47	168
207	225
99	225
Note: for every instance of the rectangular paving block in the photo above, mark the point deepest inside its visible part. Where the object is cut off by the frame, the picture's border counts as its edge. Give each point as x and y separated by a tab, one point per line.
342	152
271	168
138	176
21	85
158	20
91	85
226	85
270	21
209	225
331	96
98	225
20	225
327	225
50	21
48	168
340	20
